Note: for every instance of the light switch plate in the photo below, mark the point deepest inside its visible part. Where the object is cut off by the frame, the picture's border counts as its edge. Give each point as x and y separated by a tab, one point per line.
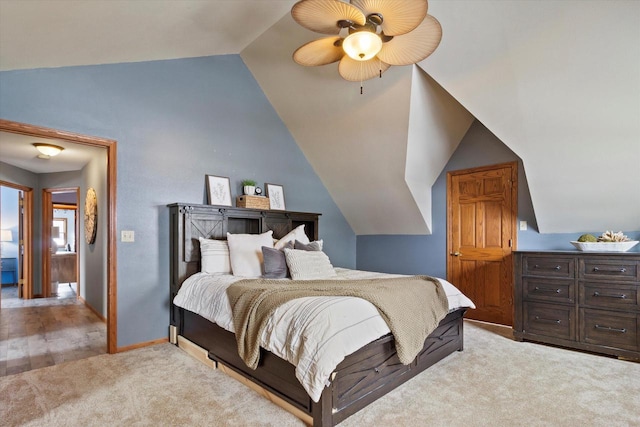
127	236
523	225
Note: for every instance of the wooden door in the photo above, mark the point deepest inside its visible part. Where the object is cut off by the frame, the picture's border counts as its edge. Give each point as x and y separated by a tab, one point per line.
481	227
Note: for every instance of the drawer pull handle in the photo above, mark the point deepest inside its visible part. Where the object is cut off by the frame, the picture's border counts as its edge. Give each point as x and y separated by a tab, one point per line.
622	270
618	296
551	290
541	320
557	267
610	329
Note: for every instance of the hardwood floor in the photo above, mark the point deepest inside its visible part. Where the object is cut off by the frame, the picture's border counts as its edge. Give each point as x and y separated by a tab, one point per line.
47	331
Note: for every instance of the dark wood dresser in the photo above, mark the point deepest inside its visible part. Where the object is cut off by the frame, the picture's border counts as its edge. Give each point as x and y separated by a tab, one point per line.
583	300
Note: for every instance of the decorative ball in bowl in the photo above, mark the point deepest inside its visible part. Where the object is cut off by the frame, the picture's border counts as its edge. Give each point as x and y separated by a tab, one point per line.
604	246
607	242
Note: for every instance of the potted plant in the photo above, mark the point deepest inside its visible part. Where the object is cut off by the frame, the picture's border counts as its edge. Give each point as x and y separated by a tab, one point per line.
249	187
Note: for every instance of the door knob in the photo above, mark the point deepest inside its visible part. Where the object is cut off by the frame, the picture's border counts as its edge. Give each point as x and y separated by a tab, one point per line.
456	253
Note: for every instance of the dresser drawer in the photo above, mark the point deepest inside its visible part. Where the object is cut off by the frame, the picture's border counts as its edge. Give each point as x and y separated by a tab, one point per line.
594	268
619	330
606	295
548	267
550	290
551	320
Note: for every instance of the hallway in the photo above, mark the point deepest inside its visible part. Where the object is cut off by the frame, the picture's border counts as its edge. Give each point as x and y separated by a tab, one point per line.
47	331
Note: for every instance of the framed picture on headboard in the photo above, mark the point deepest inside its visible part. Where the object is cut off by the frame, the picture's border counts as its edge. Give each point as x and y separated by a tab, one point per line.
219	190
275	193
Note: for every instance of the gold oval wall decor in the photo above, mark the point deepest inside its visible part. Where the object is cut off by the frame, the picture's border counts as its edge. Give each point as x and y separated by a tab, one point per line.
90	216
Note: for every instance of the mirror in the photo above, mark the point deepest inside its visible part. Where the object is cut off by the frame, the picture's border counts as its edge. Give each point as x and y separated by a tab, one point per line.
63	228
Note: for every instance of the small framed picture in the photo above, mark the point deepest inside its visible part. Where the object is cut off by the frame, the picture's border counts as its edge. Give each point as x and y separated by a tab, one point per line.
275	193
219	190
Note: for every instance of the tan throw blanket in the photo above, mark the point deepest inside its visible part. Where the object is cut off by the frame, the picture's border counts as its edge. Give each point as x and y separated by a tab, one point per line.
412	307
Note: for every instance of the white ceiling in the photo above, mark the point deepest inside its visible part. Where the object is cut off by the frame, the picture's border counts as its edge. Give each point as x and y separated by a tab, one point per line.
56	33
18	150
557	81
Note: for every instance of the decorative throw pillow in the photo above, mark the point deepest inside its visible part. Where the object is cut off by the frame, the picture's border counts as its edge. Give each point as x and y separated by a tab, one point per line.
214	256
308	265
295	234
245	251
275	263
311	246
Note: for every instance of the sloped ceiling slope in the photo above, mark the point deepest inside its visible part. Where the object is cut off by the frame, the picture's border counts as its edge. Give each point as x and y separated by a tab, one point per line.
559	83
57	33
372	151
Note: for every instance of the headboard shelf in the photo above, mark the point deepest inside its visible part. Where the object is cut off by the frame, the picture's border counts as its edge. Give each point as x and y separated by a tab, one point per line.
189	222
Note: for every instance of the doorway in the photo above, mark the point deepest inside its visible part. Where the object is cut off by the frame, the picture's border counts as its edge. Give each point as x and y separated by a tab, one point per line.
481	235
16	222
109	210
60	247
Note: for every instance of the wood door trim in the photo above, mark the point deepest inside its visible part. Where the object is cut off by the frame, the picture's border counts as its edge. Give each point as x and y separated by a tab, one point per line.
111	146
47	219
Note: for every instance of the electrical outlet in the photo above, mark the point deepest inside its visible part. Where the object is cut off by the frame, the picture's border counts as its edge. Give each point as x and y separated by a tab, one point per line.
523	225
127	236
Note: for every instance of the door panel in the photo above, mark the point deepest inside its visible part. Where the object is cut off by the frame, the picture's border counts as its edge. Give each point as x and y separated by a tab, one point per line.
481	235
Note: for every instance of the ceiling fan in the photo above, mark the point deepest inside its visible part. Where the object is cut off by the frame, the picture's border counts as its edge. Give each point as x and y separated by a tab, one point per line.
368	36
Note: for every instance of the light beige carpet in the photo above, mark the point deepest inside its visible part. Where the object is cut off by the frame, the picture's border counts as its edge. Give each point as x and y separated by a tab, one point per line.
493	382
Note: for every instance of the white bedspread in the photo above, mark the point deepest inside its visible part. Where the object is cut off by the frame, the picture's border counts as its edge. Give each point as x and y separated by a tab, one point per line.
314	334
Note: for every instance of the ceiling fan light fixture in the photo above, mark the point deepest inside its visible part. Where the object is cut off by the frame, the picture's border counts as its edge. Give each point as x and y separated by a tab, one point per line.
377	34
362	45
47	150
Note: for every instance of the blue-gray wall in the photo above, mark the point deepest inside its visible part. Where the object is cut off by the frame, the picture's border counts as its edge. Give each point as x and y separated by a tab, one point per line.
175	121
428	254
94	257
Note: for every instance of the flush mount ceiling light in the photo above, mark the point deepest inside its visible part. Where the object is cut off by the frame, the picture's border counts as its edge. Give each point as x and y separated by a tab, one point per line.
47	150
368	36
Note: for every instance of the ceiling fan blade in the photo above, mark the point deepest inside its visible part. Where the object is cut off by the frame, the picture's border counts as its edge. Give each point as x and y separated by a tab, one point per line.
399	16
319	52
322	16
356	71
414	46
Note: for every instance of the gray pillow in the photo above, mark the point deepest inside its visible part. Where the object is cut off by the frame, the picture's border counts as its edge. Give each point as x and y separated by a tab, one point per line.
275	263
311	246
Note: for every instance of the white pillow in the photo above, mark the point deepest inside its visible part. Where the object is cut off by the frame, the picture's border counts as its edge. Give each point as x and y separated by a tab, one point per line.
214	256
308	265
295	234
246	252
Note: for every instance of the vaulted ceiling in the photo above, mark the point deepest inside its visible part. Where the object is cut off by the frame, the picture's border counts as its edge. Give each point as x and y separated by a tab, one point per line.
557	81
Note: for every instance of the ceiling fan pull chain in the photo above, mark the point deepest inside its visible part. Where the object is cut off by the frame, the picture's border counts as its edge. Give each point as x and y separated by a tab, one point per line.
380	65
360	78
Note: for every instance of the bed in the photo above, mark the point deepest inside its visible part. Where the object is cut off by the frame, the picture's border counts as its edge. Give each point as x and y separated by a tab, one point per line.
362	377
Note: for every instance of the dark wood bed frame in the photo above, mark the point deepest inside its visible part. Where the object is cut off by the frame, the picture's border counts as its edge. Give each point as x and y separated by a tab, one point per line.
358	380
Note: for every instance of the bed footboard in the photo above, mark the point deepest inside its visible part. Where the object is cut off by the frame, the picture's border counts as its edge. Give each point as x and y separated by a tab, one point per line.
375	370
358	380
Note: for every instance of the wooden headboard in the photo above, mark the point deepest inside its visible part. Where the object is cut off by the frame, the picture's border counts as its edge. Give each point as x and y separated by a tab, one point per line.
188	222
